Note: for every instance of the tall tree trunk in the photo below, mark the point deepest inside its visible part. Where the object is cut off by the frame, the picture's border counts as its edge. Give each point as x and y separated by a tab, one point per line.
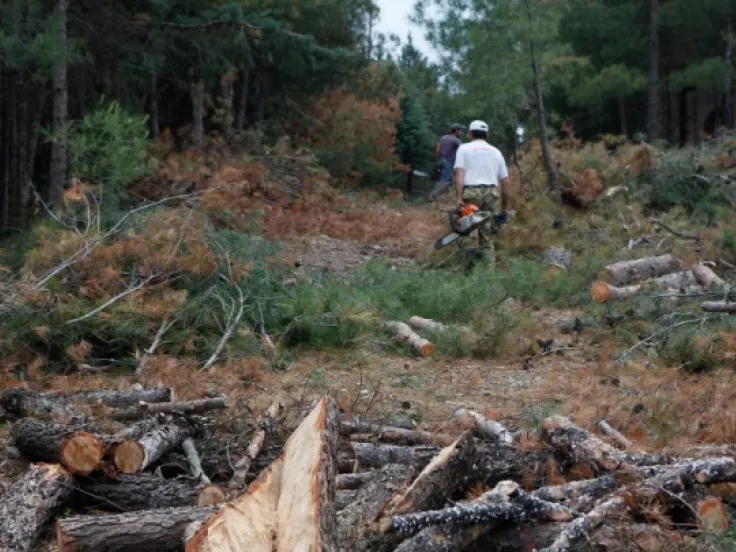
153	93
57	176
622	117
198	114
371	17
243	99
542	120
226	104
728	92
262	96
653	123
410	181
3	158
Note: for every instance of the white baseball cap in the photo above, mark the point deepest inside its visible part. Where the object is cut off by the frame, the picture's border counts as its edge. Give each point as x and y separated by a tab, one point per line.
479	126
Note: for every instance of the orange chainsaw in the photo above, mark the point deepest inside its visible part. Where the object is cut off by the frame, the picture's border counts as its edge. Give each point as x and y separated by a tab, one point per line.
464	221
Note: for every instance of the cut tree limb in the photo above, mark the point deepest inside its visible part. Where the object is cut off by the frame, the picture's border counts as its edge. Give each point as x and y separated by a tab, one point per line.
490	429
707	278
77	450
579	529
264	425
352	481
419	323
129	493
159	530
29	503
120	399
195	463
371	455
27	403
584	447
145	357
578	495
187	407
134	456
404	334
615	435
726	307
397	435
625	272
603	292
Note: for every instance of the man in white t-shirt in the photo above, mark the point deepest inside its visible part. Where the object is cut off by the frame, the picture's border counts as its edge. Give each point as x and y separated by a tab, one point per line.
481	178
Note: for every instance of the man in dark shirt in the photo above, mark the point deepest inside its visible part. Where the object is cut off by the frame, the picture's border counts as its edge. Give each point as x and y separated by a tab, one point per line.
445	154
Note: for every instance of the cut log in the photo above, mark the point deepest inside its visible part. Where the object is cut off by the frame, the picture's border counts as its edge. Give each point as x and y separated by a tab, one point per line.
419	323
404	334
344	498
79	451
26	403
603	292
128	493
264	425
291	505
680	281
521	508
185	408
29	502
726	307
584	447
352	481
371	455
134	456
114	398
369	502
578	495
578	530
146	531
616	435
490	429
625	272
397	435
707	278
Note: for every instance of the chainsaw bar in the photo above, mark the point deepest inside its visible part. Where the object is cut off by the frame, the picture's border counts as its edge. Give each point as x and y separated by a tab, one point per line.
478	219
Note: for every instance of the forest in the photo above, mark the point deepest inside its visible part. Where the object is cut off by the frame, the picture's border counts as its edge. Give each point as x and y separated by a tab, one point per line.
225	325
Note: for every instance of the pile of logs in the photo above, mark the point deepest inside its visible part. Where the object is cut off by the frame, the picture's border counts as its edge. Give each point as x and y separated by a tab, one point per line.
342	484
663	274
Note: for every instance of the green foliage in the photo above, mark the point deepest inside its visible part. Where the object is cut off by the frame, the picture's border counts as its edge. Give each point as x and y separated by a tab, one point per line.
108	148
707	75
414	142
612	83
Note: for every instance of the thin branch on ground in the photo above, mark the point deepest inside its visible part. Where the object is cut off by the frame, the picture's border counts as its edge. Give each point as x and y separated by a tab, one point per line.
165	325
677	233
113	300
626	354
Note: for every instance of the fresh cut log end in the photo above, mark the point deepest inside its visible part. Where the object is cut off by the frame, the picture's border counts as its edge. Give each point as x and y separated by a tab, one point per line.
404	334
600	292
129	457
712	515
210	495
81	453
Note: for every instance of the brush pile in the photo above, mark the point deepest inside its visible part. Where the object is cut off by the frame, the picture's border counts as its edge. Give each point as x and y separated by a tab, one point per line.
344	484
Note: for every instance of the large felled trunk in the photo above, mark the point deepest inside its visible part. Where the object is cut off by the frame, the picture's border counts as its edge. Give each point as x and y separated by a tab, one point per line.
626	272
57	170
145	492
79	451
653	122
133	456
28	504
291	504
146	531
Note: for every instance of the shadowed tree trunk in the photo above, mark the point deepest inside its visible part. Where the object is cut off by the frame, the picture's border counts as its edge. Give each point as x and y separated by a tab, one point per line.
653	124
728	92
243	100
198	113
58	169
622	117
153	92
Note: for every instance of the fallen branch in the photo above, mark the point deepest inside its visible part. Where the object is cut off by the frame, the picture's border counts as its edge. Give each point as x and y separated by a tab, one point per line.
187	407
233	320
676	233
578	495
113	300
579	529
352	481
615	435
264	424
641	269
370	455
490	429
397	435
404	334
143	360
195	463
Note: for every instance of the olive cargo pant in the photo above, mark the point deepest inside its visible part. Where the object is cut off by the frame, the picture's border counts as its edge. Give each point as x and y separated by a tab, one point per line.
487	198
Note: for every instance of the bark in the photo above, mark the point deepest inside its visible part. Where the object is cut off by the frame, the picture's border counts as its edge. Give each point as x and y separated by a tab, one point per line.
578	495
159	530
707	278
197	93
602	292
719	306
495	462
728	87
355	520
58	167
195	463
291	505
29	503
153	95
226	104
403	334
264	425
26	403
133	456
128	493
344	498
243	102
622	117
77	450
371	455
577	531
352	481
490	429
186	408
653	122
263	88
626	272
419	323
397	435
584	447
120	399
521	508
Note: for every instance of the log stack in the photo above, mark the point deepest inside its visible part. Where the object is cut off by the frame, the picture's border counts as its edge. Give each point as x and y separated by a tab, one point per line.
403	489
